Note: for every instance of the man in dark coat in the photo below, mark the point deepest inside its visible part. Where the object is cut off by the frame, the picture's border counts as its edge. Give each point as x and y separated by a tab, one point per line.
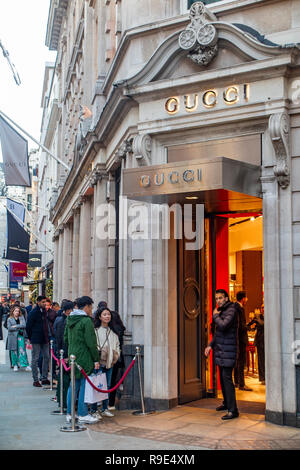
239	378
224	344
37	331
59	329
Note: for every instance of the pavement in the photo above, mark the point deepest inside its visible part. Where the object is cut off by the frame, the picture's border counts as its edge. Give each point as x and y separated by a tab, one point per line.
27	423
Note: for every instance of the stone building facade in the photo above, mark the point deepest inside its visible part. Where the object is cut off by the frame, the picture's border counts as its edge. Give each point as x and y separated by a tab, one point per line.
164	78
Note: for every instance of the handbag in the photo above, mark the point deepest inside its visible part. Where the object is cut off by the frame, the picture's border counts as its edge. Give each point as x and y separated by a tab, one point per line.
91	395
102	352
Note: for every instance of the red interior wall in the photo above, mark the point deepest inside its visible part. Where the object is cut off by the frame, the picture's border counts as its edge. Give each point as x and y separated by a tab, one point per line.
222	260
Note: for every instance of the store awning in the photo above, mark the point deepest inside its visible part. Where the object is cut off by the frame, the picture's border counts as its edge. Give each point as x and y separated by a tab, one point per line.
222	184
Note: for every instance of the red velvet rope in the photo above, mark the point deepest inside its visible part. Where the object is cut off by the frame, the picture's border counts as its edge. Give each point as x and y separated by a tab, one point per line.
112	389
65	367
58	362
55	358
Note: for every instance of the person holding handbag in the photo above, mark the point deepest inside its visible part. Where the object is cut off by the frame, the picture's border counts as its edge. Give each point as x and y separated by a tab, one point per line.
109	352
16	325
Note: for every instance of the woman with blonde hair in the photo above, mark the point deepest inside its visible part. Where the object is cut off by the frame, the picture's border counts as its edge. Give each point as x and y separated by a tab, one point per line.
16	325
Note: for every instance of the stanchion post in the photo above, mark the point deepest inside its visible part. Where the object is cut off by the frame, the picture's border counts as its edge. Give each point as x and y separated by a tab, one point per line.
142	412
61	390
74	427
51	367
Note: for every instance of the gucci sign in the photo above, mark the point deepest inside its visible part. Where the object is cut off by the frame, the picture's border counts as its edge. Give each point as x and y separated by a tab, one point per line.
208	99
172	177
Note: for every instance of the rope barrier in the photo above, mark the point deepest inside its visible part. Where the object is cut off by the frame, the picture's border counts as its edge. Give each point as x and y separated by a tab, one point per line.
58	362
55	358
65	367
112	389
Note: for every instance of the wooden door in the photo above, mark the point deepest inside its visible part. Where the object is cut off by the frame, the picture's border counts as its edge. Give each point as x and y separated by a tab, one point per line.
191	324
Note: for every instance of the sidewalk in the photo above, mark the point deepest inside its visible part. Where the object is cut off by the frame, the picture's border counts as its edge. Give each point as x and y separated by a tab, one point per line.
26	423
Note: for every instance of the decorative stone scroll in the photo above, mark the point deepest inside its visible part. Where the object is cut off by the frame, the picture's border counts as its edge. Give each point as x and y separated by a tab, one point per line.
279	127
200	37
142	148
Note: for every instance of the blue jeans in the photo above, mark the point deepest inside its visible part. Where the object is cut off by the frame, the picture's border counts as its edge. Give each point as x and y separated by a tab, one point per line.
108	379
82	407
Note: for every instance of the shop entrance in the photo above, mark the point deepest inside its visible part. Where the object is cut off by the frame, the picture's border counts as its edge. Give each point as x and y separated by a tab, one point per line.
231	259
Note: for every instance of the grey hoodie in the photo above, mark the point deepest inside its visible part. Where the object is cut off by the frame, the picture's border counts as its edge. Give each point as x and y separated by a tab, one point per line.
78	312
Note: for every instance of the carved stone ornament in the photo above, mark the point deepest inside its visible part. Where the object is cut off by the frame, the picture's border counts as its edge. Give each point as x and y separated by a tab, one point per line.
279	127
142	147
200	37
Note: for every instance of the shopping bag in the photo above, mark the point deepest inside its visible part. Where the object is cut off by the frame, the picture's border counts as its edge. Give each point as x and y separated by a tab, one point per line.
28	345
90	394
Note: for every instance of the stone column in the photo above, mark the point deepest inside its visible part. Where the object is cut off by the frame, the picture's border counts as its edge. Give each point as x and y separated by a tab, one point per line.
85	248
75	254
60	265
100	244
55	267
66	263
111	243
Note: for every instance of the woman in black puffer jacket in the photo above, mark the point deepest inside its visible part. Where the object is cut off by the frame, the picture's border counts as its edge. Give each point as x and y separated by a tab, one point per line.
225	346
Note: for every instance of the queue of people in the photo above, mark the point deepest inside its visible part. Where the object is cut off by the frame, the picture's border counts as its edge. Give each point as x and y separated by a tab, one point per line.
95	338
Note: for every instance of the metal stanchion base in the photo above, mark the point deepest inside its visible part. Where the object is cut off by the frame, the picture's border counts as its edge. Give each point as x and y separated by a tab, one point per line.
140	413
78	428
58	412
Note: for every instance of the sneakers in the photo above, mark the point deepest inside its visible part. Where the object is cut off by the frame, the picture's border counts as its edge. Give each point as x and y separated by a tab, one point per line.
36	384
88	419
107	413
111	408
69	418
15	368
96	415
45	382
28	368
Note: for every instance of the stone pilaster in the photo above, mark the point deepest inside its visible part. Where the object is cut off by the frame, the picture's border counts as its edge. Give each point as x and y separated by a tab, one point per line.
55	267
60	265
75	253
100	244
66	281
85	248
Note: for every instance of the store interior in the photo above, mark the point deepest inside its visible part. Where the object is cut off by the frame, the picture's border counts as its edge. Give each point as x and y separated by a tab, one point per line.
246	273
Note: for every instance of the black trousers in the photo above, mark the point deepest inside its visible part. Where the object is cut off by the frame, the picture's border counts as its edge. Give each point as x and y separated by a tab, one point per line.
239	378
261	360
228	389
115	377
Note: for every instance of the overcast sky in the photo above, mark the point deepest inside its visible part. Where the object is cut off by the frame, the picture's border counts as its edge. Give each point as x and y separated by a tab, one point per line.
23	26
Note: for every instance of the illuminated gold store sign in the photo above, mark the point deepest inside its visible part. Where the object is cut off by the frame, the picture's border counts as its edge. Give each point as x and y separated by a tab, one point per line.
208	99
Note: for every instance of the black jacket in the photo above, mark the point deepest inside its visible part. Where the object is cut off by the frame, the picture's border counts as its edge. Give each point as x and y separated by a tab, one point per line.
59	329
242	328
37	326
260	330
224	342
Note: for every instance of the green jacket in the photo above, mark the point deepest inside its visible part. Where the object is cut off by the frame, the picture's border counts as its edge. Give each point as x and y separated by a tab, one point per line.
80	339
